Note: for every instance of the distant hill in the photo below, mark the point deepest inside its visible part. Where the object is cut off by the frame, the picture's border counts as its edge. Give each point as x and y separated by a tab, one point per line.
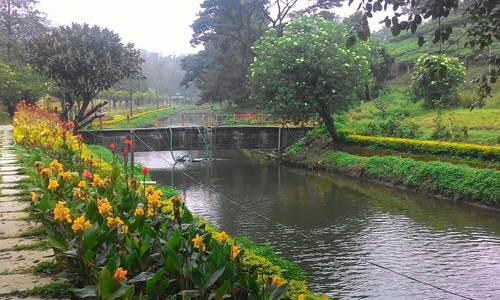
404	48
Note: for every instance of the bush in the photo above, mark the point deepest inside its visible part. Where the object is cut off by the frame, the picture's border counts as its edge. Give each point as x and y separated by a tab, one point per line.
453	181
436	79
485	153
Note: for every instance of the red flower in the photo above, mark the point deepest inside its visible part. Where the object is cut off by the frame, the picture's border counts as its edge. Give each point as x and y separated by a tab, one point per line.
129	143
145	171
79	138
87	174
90	162
112	146
125	152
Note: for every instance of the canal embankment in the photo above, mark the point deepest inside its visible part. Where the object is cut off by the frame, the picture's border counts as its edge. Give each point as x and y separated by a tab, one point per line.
457	182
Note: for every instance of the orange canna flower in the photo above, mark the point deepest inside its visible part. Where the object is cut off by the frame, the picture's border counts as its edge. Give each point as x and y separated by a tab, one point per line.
277	281
53	184
120	274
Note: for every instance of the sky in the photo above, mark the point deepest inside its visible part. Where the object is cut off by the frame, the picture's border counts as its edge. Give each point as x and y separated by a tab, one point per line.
161	26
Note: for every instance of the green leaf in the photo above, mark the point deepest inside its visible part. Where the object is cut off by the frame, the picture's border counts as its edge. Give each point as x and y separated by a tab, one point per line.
278	293
107	285
142	277
89	239
175	239
198	278
88	291
212	279
222	290
158	290
172	257
350	41
125	292
145	246
420	41
362	36
127	263
58	241
151	282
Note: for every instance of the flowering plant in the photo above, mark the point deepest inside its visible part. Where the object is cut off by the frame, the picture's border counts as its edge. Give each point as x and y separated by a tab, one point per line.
120	239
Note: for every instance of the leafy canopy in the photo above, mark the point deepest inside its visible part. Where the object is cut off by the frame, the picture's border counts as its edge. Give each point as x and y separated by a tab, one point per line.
436	79
308	71
83	61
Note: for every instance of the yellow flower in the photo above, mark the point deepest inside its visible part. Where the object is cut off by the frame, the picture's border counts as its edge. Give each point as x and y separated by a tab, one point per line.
124	229
82	184
55	165
97	180
277	281
302	297
53	184
198	242
65	175
139	212
234	251
104	207
80	224
62	213
104	182
150	190
324	297
114	223
223	236
120	274
47	172
34	197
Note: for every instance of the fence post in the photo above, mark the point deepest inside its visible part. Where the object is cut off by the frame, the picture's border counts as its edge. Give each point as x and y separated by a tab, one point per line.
156	121
100	123
128	122
209	120
279	139
132	153
234	118
183	121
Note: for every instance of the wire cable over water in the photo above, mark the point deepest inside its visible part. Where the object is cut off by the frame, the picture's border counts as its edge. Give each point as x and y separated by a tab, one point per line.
301	233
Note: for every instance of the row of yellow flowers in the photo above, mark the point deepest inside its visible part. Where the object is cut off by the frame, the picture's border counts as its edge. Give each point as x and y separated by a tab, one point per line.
96	207
121	118
429	147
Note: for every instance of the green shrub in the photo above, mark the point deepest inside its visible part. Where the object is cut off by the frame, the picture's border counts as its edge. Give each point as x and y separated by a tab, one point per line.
436	79
296	147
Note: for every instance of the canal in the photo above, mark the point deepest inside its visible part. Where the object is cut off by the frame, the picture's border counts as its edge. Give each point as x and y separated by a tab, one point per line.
345	233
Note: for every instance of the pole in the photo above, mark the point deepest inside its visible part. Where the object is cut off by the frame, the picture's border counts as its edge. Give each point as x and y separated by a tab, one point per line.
132	153
128	122
279	139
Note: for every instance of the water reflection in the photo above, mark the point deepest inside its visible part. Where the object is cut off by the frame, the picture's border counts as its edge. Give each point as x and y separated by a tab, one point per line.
334	225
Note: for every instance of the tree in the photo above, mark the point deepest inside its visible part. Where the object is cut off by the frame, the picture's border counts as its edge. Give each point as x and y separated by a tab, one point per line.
308	71
482	18
18	20
436	80
83	61
19	82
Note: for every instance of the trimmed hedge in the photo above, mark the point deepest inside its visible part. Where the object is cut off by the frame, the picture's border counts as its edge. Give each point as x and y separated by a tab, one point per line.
458	182
485	153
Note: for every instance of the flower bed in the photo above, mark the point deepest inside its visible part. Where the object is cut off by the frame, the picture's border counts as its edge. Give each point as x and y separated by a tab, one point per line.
121	118
485	153
120	239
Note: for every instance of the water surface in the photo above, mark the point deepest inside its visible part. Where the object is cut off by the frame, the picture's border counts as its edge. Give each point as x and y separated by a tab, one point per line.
342	231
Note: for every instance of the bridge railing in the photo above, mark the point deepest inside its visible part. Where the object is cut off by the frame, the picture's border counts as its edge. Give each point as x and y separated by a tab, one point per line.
210	120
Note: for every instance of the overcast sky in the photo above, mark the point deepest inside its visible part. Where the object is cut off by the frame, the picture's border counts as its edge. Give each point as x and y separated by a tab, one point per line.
155	25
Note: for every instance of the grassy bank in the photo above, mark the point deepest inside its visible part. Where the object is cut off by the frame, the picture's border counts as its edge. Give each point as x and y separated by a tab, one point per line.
457	182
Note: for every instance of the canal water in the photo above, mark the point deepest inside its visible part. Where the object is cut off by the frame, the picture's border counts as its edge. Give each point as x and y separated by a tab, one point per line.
345	233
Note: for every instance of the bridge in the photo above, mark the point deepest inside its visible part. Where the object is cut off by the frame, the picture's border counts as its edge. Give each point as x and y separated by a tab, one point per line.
196	138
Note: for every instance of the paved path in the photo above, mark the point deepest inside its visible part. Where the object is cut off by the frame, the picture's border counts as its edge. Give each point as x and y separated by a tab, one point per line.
16	266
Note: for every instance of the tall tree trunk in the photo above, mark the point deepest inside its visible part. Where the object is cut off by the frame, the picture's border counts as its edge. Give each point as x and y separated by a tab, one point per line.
330	126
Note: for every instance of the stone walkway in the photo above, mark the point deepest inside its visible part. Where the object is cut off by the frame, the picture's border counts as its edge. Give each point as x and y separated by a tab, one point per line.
16	266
